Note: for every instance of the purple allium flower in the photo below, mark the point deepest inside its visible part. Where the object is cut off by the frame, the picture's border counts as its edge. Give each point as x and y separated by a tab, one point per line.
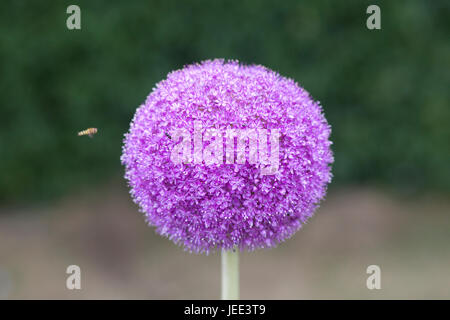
205	207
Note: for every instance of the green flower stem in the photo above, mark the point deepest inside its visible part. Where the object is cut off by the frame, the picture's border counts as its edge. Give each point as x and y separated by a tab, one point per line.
230	274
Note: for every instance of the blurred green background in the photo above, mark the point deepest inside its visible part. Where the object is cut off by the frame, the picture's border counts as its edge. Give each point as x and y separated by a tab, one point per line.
385	93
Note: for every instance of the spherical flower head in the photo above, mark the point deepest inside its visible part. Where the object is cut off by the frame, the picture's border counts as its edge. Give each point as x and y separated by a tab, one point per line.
242	198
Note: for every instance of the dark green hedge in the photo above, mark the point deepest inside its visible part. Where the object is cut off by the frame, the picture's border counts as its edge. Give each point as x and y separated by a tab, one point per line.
384	92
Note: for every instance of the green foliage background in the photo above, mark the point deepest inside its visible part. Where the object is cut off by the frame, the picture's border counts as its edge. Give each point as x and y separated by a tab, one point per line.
385	92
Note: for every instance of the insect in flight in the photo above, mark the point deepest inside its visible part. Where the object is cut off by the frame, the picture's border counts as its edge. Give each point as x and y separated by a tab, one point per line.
90	132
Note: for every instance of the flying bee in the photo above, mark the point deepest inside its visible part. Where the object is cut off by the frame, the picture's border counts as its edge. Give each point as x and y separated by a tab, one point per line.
90	132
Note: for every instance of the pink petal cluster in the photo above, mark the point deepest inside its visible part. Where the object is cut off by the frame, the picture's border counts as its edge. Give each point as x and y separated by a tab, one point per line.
208	207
